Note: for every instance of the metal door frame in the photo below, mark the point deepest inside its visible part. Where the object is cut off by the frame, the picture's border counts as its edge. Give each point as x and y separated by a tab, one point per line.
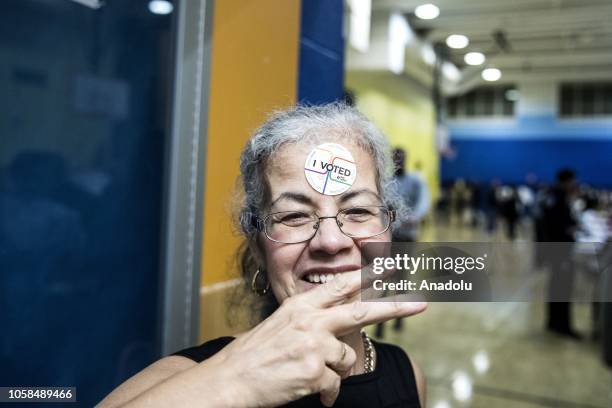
185	178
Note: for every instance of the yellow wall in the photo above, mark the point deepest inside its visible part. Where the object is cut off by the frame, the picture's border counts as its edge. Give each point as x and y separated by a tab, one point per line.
254	68
404	111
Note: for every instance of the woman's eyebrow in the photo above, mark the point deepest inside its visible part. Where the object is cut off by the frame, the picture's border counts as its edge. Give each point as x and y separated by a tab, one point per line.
298	197
348	196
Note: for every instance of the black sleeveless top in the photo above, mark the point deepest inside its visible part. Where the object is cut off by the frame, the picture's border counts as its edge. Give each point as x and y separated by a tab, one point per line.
391	385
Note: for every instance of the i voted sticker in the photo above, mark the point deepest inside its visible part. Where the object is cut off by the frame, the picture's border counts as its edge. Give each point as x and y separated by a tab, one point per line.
330	169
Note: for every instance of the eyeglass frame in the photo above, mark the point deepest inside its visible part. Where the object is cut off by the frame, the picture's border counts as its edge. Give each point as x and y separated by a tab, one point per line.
252	220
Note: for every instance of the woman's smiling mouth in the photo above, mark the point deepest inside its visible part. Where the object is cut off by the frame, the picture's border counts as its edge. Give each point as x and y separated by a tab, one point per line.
326	274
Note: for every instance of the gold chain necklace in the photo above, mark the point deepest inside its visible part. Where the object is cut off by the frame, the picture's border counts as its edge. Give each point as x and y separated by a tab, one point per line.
369	353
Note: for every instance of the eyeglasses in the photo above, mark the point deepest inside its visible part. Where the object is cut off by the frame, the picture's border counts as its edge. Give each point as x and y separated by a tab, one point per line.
292	227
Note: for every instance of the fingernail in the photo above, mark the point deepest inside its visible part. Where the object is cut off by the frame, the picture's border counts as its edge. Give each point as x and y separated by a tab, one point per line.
339	281
418	305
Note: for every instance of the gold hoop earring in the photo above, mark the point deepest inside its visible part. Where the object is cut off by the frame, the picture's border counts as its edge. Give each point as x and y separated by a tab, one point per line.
255	289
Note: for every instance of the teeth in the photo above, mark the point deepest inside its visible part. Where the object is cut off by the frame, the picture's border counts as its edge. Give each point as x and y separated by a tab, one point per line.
320	277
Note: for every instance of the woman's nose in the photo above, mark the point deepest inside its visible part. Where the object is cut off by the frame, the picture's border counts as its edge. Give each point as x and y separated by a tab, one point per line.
329	238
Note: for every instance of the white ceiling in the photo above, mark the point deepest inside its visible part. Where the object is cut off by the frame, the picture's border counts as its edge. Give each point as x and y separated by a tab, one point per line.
547	39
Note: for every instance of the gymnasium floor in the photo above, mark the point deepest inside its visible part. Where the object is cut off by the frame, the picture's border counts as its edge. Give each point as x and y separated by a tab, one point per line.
497	354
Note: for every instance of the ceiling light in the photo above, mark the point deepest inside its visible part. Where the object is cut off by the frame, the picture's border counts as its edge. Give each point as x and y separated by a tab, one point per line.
457	41
427	11
160	7
491	74
474	58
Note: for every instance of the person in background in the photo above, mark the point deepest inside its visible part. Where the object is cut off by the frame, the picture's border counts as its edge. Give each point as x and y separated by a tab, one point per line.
509	209
415	194
527	196
592	226
491	205
443	205
560	226
476	203
460	196
539	224
593	230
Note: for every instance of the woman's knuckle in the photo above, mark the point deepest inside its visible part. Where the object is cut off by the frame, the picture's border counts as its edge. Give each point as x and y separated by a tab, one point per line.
339	286
300	323
360	311
312	368
310	344
294	352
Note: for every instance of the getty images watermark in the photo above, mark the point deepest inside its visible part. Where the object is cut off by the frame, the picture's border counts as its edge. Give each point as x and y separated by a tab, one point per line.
484	272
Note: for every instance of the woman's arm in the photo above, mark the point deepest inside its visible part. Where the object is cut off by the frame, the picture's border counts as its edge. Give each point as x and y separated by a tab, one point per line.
154	374
173	381
420	383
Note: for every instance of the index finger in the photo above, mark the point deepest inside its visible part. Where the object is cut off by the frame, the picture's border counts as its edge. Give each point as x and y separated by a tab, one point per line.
343	319
343	288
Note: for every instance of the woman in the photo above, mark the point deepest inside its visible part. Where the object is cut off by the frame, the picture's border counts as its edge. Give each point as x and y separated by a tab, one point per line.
303	256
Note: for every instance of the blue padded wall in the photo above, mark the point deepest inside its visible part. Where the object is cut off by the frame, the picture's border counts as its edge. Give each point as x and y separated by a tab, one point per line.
511	159
321	65
540	144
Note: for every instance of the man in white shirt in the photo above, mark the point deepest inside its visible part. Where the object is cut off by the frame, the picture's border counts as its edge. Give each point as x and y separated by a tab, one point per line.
415	192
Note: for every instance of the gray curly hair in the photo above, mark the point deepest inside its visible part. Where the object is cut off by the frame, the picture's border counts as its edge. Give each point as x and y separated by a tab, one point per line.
306	123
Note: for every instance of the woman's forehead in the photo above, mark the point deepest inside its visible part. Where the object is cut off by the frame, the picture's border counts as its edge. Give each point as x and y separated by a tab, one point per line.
286	169
290	159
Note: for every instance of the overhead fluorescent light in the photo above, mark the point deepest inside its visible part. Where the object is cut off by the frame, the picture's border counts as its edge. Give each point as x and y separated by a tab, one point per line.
427	11
474	58
491	74
457	41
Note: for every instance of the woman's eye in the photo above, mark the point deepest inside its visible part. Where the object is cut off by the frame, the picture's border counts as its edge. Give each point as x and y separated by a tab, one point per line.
359	213
359	210
295	218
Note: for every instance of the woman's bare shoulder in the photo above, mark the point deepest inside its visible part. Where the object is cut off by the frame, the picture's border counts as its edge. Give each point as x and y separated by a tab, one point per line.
154	374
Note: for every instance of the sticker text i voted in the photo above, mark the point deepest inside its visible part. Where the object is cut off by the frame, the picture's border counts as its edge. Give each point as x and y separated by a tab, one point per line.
330	169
